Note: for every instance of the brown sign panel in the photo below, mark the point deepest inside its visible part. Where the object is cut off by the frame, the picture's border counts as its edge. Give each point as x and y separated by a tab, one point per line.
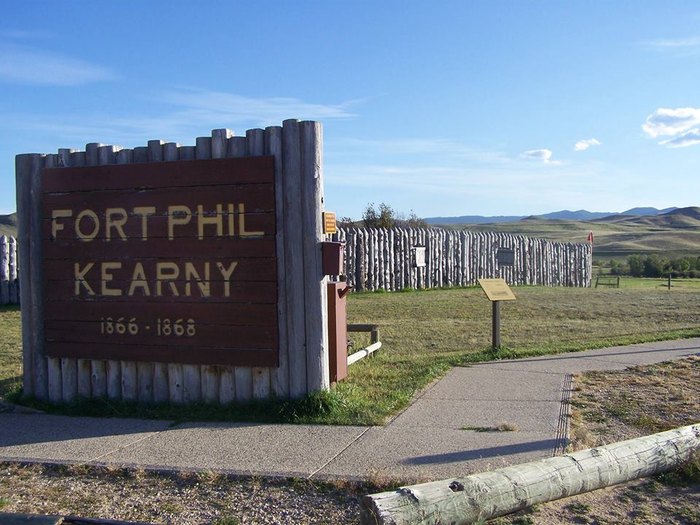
166	262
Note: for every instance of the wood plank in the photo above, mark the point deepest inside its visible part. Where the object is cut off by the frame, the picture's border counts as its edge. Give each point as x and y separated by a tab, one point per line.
148	176
192	249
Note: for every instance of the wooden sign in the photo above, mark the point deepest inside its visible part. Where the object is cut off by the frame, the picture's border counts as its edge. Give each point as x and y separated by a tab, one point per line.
496	290
162	262
329	223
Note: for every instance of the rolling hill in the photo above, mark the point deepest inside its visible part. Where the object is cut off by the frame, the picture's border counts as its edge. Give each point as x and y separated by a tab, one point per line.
578	215
674	233
8	225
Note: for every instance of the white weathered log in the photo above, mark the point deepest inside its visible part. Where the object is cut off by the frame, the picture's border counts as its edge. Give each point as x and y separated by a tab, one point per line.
293	256
315	289
361	354
488	495
279	377
260	376
4	270
69	379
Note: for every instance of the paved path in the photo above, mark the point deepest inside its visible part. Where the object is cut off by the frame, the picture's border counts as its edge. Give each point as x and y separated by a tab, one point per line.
427	441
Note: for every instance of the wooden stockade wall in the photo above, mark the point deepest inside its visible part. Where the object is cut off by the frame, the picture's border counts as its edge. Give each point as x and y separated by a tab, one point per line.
378	258
9	285
301	287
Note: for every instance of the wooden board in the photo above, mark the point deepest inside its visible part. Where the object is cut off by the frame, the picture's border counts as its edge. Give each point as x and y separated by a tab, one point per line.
171	262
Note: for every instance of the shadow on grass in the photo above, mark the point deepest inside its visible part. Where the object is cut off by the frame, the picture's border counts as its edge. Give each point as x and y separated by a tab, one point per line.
10	387
319	407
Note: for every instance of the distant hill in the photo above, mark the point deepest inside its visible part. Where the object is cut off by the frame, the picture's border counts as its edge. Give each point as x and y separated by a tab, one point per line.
671	233
579	215
8	225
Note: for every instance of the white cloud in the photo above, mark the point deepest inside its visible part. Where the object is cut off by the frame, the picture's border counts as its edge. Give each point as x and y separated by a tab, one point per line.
416	147
218	106
183	116
689	138
28	65
681	124
675	43
544	155
583	145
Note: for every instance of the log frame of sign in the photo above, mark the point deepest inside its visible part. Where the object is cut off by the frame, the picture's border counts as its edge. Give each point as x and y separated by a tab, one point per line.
488	495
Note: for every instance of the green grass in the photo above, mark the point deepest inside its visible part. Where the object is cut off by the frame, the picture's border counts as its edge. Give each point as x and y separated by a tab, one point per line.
10	350
424	334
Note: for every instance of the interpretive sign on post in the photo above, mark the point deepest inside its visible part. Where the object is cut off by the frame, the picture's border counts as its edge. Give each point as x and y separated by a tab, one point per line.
169	262
329	223
496	290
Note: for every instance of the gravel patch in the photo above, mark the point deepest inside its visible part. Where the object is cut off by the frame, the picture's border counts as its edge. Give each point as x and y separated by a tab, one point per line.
182	498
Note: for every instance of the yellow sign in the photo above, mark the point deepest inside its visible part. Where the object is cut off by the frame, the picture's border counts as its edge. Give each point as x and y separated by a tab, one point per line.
496	290
329	224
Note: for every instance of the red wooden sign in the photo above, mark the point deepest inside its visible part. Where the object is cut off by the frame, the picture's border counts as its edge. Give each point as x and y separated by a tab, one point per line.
168	262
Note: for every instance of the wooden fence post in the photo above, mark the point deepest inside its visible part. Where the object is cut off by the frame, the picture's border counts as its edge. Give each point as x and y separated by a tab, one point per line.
4	270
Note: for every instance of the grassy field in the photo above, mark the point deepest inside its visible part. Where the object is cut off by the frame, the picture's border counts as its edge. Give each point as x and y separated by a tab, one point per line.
425	333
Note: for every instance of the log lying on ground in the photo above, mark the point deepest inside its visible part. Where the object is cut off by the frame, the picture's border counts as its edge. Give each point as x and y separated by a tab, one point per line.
491	494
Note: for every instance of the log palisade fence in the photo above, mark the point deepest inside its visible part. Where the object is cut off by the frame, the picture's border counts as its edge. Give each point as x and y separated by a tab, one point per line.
295	294
9	285
378	258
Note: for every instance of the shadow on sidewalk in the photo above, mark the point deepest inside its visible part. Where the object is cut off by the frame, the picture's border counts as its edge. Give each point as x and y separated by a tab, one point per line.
482	453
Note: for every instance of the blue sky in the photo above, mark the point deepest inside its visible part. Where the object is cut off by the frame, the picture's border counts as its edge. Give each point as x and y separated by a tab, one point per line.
444	108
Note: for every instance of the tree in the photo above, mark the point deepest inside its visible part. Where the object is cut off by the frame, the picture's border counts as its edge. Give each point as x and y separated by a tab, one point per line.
381	217
346	222
384	216
636	265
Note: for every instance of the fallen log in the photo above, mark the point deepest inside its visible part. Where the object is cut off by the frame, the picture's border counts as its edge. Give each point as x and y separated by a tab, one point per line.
491	494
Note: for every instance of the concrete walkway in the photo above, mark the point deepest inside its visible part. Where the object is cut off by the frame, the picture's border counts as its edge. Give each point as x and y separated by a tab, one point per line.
436	437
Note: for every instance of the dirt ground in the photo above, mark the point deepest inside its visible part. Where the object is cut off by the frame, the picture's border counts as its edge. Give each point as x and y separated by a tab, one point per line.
606	407
614	406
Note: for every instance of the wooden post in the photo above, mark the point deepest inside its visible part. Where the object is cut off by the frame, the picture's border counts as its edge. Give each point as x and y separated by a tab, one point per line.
315	283
496	325
279	378
293	255
28	181
488	495
4	270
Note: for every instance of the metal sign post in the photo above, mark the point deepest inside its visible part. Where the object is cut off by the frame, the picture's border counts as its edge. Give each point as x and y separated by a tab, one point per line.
496	290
